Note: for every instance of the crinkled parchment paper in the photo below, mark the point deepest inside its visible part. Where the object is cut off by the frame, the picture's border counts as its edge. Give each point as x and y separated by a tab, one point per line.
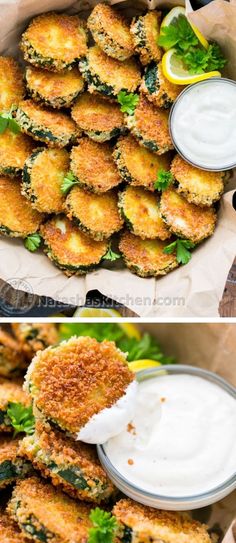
192	290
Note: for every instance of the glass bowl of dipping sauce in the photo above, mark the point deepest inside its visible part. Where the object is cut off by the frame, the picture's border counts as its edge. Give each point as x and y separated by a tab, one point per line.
179	452
202	124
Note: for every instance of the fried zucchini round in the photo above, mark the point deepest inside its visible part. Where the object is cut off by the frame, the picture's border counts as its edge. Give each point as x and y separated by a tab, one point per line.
70	249
17	218
93	166
150	126
14	150
146	257
111	32
54	89
54	41
10	391
100	119
52	127
197	186
11	83
34	337
141	212
71	465
76	380
47	515
12	466
43	174
11	358
9	530
141	523
157	88
186	220
107	75
145	31
137	165
95	214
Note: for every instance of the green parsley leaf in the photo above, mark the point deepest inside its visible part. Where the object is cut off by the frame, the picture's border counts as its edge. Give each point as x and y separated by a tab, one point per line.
3	123
216	59
181	248
7	121
68	182
164	180
33	242
178	34
128	101
13	126
199	60
21	417
104	528
145	348
111	255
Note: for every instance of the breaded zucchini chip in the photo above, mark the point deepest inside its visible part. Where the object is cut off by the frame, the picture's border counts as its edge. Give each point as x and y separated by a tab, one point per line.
43	174
12	466
186	220
150	126
52	127
34	337
71	465
12	88
145	524
100	119
9	530
70	249
137	165
17	218
54	41
47	515
157	88
146	257
197	186
14	150
141	211
10	391
111	32
145	31
107	75
11	358
76	380
95	214
93	166
54	89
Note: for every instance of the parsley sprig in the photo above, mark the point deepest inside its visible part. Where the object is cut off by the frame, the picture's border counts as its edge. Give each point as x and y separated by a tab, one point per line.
164	180
179	34
111	255
21	417
199	60
128	101
7	121
104	528
33	242
181	248
68	182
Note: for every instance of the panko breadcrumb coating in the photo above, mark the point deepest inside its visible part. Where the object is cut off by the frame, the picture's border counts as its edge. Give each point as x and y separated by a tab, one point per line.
10	391
12	88
76	380
14	150
35	337
9	530
145	31
111	32
12	465
12	361
157	88
146	524
54	89
17	218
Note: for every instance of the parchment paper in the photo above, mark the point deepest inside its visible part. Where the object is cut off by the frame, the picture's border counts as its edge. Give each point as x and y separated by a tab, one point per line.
192	290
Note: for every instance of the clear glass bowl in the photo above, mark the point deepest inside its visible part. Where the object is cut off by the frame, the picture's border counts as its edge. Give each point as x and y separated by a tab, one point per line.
157	500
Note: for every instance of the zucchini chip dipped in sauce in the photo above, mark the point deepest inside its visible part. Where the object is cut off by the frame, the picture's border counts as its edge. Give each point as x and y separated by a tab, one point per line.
70	249
54	89
107	75
52	127
157	88
10	391
145	31
111	32
17	218
54	41
100	119
93	166
12	88
34	337
14	150
95	214
43	174
137	165
199	187
149	125
146	257
12	465
10	533
186	220
141	211
12	361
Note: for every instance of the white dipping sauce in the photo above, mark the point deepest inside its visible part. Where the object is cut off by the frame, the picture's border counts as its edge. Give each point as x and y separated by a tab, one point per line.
183	440
203	124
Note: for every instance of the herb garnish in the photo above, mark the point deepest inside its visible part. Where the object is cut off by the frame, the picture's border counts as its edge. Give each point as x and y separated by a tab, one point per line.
164	180
104	528
33	242
111	255
128	101
68	182
179	34
181	248
7	121
21	417
199	60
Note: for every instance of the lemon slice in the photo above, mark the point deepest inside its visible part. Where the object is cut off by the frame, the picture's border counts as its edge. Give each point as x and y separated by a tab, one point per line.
129	329
138	365
173	14
175	71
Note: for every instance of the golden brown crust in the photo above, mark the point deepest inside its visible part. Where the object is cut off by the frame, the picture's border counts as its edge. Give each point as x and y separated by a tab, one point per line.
55	89
151	25
9	530
166	92
9	448
14	150
11	83
111	32
78	379
16	213
34	337
151	124
11	391
93	112
11	357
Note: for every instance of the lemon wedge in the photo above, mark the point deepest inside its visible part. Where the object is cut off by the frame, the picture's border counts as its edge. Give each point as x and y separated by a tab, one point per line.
128	328
138	365
175	71
173	14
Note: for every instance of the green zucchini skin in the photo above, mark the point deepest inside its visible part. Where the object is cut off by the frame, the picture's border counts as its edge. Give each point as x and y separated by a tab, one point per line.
152	84
57	103
10	171
10	471
39	132
35	530
77	270
40	61
106	135
94	82
26	175
4	420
